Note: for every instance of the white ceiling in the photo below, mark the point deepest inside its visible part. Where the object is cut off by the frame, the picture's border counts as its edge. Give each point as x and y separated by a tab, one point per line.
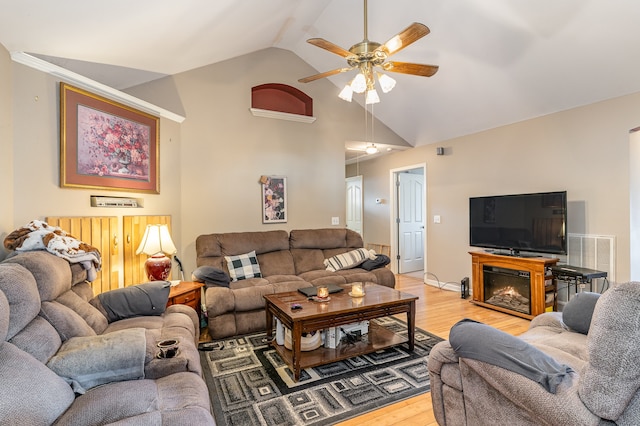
501	61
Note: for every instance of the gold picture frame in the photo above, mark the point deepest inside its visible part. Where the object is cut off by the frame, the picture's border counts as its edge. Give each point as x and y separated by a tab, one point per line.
105	144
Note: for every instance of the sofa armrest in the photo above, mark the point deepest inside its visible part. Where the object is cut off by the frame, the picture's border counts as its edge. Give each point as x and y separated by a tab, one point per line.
385	277
548	319
219	300
446	385
191	313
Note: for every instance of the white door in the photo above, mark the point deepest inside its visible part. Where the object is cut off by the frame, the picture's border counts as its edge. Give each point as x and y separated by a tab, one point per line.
411	225
354	204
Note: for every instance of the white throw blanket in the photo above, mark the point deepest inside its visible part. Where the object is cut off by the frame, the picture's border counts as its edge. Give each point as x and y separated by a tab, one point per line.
39	235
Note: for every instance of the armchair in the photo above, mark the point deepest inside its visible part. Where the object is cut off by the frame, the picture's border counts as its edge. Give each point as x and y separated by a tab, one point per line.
600	386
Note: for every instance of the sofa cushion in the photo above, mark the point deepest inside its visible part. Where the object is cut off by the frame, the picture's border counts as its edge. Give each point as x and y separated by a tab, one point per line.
86	362
348	260
20	288
577	313
611	378
88	312
243	266
474	340
32	393
52	273
326	238
133	301
66	321
307	259
179	399
278	262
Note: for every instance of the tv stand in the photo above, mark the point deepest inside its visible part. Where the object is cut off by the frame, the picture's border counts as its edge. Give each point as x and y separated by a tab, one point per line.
541	281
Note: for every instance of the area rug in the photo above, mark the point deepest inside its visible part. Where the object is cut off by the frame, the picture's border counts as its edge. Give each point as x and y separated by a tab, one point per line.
249	384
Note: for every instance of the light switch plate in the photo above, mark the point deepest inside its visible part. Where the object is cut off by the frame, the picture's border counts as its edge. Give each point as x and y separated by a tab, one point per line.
436	218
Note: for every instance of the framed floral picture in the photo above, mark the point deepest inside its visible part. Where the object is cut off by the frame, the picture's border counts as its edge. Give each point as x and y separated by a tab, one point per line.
274	199
105	144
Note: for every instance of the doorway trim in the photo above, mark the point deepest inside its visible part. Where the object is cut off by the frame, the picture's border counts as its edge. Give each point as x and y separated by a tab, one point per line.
393	225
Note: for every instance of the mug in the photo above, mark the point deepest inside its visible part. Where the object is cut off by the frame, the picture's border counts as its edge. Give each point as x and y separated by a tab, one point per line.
168	348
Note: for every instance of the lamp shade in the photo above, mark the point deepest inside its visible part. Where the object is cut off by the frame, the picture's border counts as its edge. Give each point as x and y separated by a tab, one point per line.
156	241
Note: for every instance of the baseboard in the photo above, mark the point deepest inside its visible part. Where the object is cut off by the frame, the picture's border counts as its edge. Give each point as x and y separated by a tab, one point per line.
445	286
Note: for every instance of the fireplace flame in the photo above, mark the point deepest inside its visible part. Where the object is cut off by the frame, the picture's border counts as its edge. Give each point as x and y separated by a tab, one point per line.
507	291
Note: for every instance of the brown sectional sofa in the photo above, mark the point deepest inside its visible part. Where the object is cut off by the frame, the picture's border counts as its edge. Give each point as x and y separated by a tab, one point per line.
288	261
62	362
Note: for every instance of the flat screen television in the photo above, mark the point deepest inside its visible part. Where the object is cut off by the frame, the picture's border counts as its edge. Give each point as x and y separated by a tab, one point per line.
534	223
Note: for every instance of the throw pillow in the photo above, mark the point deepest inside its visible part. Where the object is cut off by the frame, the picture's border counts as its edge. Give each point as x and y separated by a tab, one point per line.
243	266
348	260
577	313
380	261
211	276
474	340
137	300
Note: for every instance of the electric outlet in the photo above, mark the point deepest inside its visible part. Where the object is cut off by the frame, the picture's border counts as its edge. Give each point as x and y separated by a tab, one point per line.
335	220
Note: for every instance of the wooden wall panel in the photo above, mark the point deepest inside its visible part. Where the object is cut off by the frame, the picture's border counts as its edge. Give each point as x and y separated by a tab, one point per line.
133	230
102	233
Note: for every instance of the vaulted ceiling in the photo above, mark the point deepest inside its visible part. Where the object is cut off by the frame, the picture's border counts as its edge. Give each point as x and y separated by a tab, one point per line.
501	61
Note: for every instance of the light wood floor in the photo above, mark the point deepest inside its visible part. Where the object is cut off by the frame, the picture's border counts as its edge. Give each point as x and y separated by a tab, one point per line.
437	310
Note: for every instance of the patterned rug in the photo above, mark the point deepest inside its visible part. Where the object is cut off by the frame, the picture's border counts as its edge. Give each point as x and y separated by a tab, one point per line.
250	385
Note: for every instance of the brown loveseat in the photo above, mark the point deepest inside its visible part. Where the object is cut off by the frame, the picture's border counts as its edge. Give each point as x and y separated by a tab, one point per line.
63	362
287	261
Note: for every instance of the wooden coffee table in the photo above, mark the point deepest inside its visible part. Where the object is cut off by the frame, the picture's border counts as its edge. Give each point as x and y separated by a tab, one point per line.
341	309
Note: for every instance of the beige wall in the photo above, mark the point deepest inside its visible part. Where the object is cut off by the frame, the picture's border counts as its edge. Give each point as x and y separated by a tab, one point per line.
36	157
224	149
584	151
6	146
209	165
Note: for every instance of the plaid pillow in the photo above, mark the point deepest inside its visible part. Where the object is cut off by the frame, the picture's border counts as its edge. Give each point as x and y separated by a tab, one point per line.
243	266
347	260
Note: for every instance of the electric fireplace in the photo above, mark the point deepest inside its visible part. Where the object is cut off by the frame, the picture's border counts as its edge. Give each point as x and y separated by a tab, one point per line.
507	288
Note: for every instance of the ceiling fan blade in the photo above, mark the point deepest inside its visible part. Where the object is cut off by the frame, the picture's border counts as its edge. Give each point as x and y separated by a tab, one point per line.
324	74
410	68
404	38
327	45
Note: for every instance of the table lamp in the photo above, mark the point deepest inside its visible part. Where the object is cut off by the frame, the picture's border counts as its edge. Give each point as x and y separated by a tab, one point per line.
157	243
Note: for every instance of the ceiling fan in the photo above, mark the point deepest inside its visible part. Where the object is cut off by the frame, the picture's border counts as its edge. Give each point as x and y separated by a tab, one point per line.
367	56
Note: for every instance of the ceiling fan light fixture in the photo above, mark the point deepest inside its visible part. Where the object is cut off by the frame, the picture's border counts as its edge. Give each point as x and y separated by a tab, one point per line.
359	83
372	97
386	83
371	149
346	93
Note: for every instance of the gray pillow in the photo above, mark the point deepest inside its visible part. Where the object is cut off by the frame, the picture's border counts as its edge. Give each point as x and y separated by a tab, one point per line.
577	313
137	300
474	340
211	276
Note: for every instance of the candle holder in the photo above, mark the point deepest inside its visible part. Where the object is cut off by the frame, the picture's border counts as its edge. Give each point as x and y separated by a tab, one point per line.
323	293
357	290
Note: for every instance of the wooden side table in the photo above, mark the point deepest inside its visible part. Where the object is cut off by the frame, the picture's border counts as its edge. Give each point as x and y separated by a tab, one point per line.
186	293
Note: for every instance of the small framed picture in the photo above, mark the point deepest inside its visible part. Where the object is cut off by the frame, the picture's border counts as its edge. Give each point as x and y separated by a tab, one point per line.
274	199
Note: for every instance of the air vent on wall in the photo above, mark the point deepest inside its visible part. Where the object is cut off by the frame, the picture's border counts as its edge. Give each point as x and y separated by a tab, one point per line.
98	201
